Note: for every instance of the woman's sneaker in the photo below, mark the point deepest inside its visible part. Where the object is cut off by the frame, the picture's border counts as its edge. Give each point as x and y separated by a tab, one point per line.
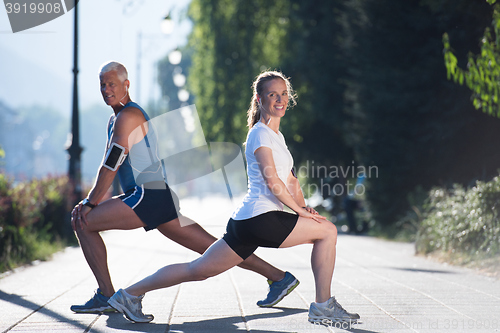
278	290
97	304
130	306
333	312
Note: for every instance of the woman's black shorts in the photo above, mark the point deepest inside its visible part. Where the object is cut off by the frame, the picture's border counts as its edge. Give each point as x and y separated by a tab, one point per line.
268	230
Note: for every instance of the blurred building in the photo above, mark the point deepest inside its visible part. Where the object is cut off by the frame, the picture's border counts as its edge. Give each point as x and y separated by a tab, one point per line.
17	141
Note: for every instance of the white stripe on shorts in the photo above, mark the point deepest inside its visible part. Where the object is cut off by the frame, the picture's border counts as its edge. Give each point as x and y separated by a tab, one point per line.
133	194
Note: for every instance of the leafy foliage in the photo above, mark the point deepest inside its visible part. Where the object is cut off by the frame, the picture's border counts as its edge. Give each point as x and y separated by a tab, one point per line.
462	221
233	41
405	117
482	75
316	61
371	83
33	219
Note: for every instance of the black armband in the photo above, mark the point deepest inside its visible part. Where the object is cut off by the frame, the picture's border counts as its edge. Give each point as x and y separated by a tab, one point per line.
115	157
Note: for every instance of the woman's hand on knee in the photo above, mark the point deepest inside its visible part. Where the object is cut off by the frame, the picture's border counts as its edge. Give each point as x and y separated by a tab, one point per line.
310	213
311	210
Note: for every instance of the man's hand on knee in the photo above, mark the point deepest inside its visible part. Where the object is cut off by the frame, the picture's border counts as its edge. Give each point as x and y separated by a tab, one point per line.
79	217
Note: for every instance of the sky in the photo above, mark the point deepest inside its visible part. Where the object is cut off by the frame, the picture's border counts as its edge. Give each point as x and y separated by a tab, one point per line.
36	64
36	67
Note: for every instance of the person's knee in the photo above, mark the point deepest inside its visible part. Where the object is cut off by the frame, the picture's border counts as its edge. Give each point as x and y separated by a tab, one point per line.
330	231
192	236
84	233
200	272
81	233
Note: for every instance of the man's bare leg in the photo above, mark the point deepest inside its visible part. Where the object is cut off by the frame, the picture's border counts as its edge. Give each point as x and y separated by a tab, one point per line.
111	214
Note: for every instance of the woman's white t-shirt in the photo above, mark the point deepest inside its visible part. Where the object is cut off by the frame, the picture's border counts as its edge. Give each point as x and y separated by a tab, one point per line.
259	198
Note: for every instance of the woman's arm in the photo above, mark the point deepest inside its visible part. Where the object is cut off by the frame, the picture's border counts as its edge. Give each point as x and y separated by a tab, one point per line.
264	157
293	186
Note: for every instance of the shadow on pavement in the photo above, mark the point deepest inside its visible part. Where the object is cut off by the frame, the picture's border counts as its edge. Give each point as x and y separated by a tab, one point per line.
225	324
417	270
20	301
219	325
358	330
345	327
117	321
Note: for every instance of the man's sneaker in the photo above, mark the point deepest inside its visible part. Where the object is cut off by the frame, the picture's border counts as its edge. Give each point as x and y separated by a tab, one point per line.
278	290
97	304
333	312
130	306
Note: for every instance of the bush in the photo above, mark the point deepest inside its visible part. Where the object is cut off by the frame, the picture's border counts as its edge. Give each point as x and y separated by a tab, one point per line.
462	221
33	219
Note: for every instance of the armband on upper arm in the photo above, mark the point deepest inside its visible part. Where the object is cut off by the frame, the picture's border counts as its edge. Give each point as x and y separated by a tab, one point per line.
115	157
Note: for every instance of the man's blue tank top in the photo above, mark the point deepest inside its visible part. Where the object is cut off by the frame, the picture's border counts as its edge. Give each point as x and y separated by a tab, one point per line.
142	164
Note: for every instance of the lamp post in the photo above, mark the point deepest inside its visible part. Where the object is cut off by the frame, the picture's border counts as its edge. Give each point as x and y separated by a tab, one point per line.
167	26
75	150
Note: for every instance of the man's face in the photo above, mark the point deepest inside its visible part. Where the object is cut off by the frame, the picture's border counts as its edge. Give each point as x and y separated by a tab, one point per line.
112	89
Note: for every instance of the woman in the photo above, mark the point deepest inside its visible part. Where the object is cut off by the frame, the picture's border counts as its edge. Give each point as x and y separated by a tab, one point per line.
260	219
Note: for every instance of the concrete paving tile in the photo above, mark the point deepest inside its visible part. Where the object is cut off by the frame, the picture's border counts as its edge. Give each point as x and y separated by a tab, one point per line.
384	282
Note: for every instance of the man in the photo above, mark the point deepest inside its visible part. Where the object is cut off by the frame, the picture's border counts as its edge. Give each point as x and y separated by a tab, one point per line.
144	205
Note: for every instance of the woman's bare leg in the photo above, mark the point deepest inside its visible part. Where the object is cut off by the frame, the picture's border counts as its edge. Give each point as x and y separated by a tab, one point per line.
323	235
192	236
218	258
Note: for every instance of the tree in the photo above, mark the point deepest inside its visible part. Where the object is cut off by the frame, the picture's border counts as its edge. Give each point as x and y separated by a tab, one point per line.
482	75
315	61
233	41
406	119
371	84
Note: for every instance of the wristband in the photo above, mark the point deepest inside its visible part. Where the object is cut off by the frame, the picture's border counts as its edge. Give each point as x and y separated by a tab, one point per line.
87	203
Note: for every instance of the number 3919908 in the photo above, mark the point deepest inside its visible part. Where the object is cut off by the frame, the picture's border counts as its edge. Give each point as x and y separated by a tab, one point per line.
33	8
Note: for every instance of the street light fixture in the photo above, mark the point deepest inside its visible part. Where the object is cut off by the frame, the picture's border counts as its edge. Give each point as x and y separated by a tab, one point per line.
179	80
167	27
183	95
175	57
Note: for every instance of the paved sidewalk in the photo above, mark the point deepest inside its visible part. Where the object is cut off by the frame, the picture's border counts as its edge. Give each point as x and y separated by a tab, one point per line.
391	289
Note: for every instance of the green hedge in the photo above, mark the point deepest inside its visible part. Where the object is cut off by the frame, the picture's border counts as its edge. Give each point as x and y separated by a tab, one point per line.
462	221
34	219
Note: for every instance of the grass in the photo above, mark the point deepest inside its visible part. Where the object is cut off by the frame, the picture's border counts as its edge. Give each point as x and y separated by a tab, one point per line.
462	221
485	266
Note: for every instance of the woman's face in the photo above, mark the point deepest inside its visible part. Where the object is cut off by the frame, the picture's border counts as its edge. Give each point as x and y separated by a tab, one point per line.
274	98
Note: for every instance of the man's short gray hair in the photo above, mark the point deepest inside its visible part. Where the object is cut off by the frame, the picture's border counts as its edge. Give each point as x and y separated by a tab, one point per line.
120	70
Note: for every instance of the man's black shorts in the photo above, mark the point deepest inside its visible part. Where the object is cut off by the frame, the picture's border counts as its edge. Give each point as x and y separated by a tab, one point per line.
152	206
